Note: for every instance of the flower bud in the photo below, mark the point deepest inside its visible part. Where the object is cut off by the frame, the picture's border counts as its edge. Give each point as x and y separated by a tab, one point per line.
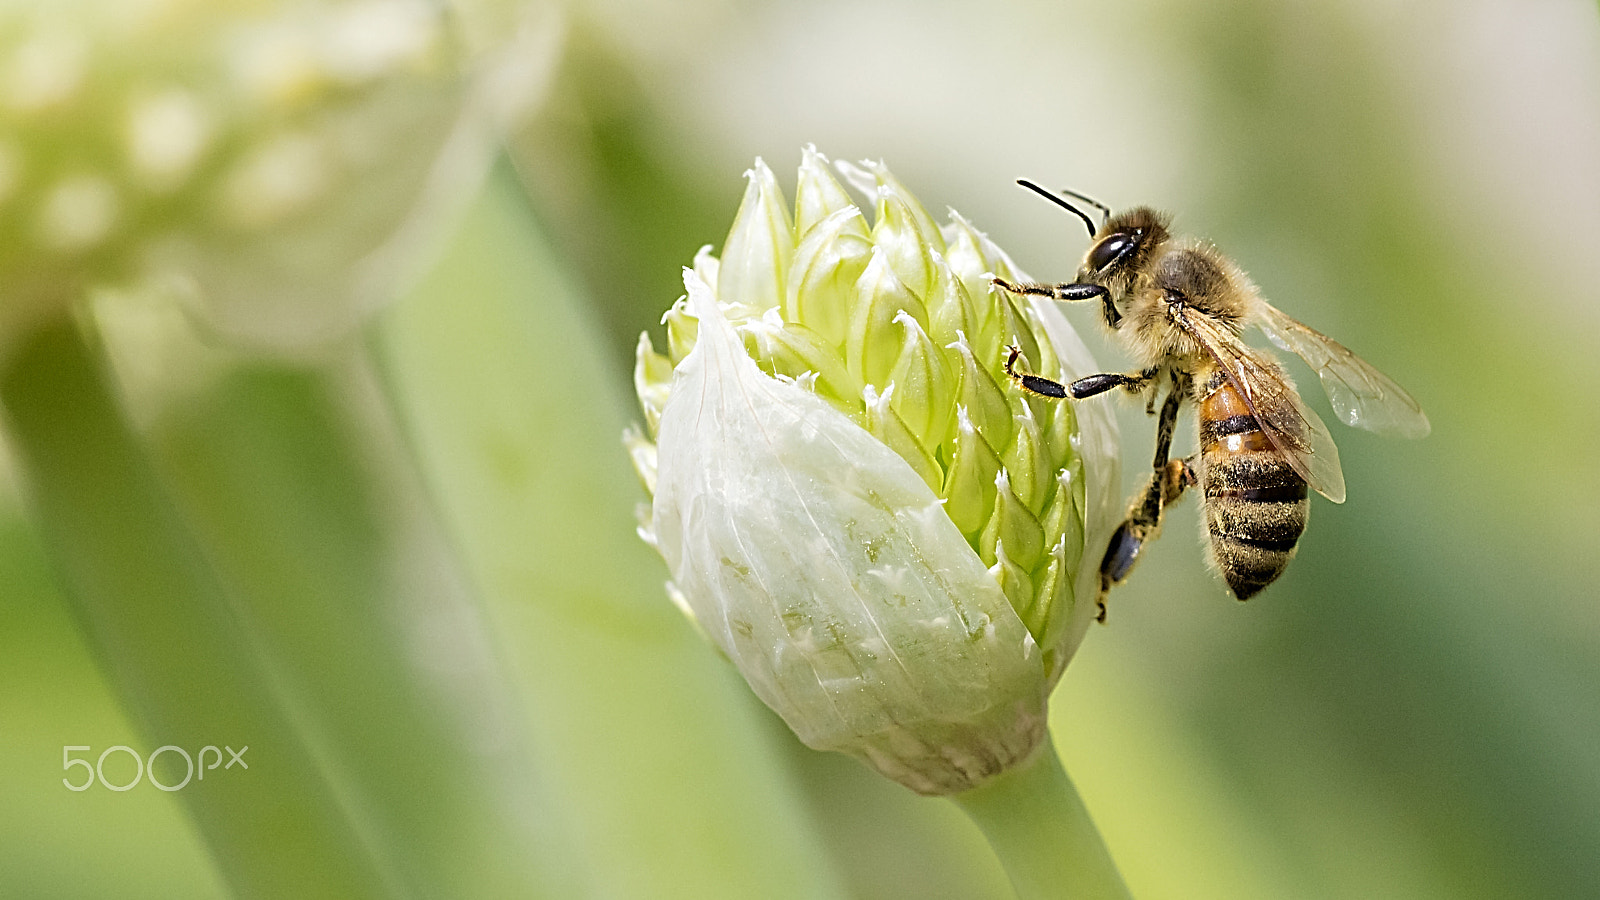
272	159
853	503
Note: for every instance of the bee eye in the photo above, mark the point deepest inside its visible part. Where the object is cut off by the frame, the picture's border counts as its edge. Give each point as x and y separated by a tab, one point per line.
1111	249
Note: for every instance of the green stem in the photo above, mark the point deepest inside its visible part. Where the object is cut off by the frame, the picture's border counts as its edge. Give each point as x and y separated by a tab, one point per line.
1042	833
166	634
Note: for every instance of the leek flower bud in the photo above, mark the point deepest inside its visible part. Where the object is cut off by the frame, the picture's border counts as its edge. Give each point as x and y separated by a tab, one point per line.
853	503
275	161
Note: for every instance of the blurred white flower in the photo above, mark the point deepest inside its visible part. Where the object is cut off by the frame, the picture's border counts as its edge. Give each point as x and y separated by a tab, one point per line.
281	161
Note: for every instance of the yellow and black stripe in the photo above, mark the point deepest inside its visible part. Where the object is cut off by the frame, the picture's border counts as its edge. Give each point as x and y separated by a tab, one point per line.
1256	504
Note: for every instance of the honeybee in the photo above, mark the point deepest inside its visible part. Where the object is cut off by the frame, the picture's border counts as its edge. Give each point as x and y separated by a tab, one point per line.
1179	307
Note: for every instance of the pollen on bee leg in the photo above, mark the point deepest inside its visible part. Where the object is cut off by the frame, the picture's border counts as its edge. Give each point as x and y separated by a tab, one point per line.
1177	477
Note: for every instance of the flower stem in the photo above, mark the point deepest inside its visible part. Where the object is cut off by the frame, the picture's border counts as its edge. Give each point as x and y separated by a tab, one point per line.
166	635
1041	831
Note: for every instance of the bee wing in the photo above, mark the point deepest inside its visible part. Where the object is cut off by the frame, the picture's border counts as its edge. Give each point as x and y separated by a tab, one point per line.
1292	428
1361	395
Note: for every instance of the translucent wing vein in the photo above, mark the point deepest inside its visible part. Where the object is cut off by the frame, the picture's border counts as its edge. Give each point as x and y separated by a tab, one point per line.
1361	396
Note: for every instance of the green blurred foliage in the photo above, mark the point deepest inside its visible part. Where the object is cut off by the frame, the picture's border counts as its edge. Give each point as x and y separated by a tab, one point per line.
344	581
624	213
662	781
53	843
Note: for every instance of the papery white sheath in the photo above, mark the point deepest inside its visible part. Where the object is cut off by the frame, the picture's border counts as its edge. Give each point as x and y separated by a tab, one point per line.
825	568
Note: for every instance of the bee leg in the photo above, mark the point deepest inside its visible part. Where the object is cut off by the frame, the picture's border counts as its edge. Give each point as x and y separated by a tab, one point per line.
1167	485
1168	479
1075	290
1033	384
1088	386
1064	291
1132	382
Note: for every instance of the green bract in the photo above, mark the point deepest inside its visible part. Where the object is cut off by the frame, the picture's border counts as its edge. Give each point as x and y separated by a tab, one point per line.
853	502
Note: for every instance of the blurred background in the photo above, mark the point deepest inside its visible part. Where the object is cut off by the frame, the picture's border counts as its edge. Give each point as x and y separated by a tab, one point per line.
408	578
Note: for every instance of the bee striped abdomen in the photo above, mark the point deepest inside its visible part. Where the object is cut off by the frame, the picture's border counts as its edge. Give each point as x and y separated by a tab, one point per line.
1256	504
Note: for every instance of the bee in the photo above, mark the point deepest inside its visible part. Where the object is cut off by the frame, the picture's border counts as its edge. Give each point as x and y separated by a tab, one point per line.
1179	306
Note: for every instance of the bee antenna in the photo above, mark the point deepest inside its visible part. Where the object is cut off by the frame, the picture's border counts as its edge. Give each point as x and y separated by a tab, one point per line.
1087	222
1105	211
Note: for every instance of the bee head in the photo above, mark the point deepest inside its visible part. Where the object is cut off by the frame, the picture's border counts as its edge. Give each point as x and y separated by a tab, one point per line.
1123	246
